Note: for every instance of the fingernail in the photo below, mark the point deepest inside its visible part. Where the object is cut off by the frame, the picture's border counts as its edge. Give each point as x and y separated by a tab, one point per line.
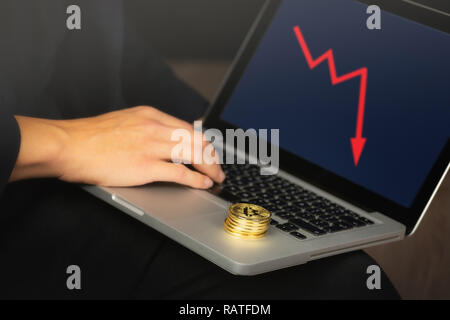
208	183
221	176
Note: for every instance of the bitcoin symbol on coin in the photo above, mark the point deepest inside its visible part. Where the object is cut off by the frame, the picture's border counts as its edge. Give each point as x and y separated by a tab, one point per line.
247	220
252	212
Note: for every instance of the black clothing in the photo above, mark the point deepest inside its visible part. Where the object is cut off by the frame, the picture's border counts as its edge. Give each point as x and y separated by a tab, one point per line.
47	225
60	225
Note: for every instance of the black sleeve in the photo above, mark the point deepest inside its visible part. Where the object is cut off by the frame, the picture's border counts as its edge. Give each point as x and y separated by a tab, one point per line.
9	130
9	146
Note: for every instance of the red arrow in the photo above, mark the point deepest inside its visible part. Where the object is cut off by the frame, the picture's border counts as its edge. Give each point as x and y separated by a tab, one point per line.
358	141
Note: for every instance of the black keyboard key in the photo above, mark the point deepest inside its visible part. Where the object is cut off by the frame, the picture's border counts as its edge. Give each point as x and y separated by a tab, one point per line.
287	197
351	213
336	212
308	227
298	235
261	185
318	204
284	215
274	192
245	195
262	202
226	195
365	220
315	211
252	189
320	223
232	189
287	227
352	221
265	196
277	185
252	168
344	225
269	178
330	218
240	182
302	204
295	193
335	228
278	202
305	215
289	208
274	222
292	189
308	198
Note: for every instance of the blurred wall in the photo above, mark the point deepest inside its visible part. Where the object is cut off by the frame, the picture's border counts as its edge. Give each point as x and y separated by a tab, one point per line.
199	29
214	29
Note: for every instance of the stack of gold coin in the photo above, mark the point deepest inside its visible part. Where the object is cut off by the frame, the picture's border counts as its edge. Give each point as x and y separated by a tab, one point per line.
247	221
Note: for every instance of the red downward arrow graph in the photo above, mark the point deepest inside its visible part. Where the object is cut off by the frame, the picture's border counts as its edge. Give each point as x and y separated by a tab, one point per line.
358	141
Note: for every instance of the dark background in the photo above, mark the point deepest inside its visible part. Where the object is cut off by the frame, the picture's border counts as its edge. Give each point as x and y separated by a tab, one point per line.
212	29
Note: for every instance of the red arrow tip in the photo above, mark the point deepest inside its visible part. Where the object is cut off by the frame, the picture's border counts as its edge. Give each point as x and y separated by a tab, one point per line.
357	147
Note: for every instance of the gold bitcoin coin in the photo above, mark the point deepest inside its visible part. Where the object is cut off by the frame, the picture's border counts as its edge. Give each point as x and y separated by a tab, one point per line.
246	220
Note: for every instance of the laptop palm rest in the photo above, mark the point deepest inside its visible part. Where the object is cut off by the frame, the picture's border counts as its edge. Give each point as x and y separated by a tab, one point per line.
165	202
195	221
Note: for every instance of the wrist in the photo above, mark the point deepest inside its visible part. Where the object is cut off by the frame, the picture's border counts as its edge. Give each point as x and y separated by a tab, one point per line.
41	145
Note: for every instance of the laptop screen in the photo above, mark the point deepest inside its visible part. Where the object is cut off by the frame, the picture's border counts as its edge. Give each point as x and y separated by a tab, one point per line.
370	105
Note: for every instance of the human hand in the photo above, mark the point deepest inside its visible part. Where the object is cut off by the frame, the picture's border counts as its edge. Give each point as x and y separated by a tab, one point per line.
122	148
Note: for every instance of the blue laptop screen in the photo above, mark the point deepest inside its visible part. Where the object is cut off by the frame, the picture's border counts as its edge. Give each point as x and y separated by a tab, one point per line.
372	106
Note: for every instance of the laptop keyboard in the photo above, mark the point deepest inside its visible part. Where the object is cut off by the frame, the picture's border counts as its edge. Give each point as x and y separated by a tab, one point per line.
294	209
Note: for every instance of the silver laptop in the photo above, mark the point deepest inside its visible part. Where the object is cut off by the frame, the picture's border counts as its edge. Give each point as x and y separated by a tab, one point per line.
364	122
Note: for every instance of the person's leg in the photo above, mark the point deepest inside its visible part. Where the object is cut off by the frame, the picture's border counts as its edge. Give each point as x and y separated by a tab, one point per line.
178	273
47	225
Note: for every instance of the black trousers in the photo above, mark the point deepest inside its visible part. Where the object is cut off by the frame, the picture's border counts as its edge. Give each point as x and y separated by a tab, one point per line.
47	225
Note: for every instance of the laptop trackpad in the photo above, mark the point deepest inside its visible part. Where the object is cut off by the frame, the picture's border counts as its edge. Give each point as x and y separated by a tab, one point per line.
167	202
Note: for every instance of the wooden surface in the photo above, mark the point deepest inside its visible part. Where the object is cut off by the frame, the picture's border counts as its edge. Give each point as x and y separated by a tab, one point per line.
418	266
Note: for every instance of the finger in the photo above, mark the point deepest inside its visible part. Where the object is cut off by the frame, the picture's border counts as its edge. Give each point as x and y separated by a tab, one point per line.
178	173
214	171
210	164
185	153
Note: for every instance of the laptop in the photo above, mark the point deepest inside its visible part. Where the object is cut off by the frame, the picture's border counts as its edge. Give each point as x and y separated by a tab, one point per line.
364	123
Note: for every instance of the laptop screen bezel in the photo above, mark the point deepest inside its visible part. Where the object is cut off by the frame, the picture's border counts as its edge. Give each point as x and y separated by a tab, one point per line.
310	172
